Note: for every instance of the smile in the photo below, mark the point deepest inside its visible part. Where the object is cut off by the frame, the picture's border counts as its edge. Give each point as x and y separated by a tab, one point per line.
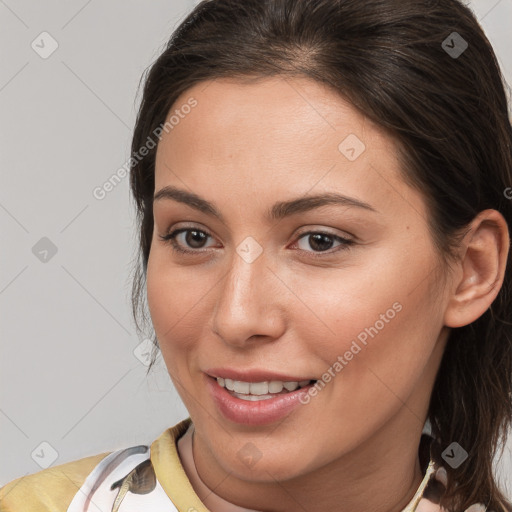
256	403
255	391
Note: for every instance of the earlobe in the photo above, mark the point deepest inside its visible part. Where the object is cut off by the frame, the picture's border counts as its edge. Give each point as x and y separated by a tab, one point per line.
482	269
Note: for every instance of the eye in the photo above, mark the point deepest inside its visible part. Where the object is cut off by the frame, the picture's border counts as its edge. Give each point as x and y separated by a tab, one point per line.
194	240
194	237
321	242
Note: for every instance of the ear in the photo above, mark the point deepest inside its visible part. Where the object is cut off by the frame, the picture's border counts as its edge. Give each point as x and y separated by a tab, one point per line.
481	269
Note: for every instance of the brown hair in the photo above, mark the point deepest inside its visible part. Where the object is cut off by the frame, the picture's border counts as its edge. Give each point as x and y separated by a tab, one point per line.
392	60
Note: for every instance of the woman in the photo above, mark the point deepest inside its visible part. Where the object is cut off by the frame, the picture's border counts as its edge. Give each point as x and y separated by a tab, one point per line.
324	239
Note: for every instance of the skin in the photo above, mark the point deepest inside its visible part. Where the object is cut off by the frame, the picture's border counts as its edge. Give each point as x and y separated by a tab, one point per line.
244	147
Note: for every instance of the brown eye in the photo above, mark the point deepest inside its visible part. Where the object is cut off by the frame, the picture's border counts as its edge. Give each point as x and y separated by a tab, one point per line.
195	238
322	242
192	240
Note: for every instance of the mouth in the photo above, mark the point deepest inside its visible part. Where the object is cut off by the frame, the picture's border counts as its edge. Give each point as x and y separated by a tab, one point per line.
257	403
263	390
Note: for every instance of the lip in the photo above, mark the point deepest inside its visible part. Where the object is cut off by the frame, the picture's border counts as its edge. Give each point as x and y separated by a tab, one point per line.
262	412
254	375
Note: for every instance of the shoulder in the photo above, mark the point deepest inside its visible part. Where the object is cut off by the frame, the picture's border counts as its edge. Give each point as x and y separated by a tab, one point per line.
51	489
69	487
129	476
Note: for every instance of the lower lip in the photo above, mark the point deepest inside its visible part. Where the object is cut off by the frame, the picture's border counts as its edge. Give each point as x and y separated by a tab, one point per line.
261	412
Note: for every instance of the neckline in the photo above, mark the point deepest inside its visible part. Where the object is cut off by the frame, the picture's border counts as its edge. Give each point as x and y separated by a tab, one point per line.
170	472
169	469
210	499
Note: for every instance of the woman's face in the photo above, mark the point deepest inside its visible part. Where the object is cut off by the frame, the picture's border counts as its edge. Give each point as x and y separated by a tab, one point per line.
268	292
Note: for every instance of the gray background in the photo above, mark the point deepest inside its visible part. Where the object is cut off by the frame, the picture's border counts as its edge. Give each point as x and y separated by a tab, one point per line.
69	377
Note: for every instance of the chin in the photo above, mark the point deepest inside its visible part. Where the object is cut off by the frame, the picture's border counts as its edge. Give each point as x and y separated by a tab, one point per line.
258	467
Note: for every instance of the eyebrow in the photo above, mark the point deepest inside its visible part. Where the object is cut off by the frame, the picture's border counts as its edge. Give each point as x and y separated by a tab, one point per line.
278	211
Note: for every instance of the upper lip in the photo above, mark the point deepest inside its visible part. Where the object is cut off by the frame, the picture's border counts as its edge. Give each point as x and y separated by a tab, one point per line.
254	375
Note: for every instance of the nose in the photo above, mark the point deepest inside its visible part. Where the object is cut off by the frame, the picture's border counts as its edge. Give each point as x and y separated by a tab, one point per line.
250	303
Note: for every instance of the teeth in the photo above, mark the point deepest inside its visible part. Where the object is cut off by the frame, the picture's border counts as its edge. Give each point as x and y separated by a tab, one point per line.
241	387
253	398
275	386
258	389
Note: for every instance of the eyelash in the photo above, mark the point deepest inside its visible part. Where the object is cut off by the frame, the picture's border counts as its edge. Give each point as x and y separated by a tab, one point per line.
170	239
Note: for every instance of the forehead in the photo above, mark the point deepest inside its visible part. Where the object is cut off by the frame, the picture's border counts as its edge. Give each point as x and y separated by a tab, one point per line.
274	136
279	113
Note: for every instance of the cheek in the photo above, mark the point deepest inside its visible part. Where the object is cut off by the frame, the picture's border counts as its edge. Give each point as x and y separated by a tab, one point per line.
178	303
168	316
381	319
167	294
341	305
161	295
382	340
